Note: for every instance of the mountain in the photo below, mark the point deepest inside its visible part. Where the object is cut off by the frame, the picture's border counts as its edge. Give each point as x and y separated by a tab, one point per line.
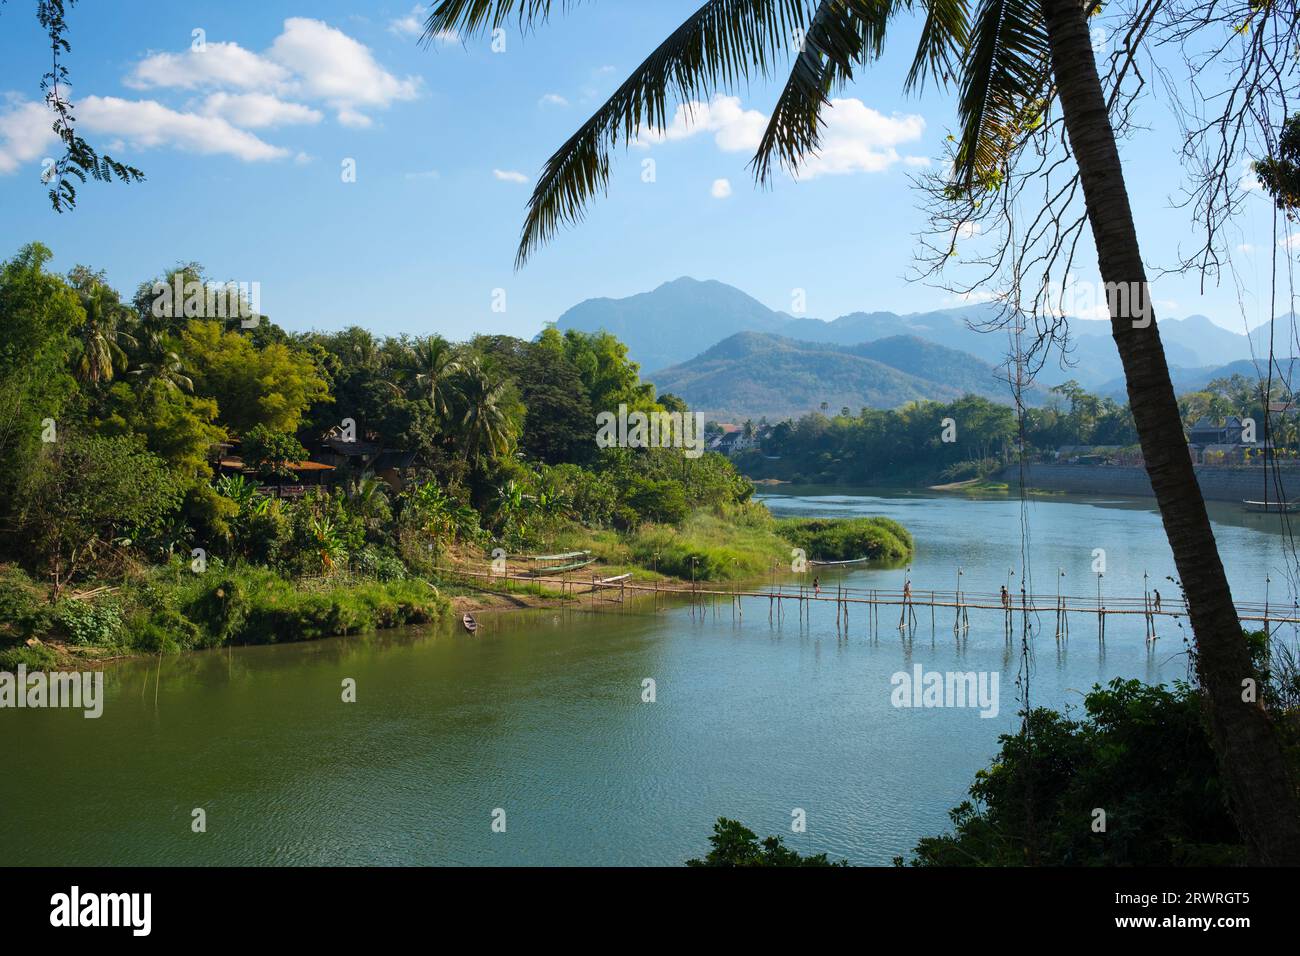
756	374
675	321
682	318
1194	379
1189	343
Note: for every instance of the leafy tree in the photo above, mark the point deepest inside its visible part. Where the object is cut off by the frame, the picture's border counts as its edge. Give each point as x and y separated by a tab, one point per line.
1280	174
87	493
101	336
486	428
271	453
38	313
1141	753
735	845
178	427
429	369
272	386
79	159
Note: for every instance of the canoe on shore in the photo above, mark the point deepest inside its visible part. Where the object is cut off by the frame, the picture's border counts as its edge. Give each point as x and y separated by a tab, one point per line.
1272	507
827	564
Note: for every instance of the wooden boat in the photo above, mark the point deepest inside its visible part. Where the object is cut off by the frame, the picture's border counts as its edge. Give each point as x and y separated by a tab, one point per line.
544	564
471	625
1272	507
826	564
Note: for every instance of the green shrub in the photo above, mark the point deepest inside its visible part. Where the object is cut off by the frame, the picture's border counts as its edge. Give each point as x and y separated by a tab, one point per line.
24	610
1141	752
843	539
87	624
36	658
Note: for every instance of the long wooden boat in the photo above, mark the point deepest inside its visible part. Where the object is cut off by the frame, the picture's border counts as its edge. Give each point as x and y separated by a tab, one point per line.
572	561
1272	507
824	564
471	625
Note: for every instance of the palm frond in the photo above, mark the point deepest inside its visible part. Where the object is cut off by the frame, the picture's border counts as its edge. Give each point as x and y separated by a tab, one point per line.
724	43
466	18
840	34
1004	85
943	38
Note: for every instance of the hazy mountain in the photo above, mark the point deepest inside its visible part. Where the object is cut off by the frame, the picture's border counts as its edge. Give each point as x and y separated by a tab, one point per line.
1191	342
1195	379
752	374
682	318
677	320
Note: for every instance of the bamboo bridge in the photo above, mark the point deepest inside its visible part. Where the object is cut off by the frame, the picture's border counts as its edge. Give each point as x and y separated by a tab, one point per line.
880	605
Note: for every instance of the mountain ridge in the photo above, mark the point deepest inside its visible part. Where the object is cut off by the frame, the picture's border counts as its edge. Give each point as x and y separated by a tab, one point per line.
682	318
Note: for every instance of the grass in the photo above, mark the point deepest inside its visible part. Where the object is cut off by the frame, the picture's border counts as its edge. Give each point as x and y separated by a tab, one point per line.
844	539
727	544
169	609
737	544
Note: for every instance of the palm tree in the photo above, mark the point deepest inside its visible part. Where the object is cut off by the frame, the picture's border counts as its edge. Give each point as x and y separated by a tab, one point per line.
429	368
100	333
1012	58
485	427
166	368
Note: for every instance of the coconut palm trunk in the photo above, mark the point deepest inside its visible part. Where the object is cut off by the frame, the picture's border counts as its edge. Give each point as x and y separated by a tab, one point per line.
1259	784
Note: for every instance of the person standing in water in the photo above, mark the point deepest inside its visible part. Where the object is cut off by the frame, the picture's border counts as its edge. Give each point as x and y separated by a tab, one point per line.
817	586
1157	597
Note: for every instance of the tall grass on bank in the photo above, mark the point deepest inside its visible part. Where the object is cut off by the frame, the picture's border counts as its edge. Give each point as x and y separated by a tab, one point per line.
728	544
170	609
844	539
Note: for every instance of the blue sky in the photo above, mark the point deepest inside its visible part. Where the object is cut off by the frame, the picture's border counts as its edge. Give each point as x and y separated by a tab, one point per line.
244	145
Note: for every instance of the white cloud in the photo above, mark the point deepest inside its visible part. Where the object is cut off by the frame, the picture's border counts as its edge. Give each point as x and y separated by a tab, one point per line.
412	25
921	162
969	230
258	110
721	189
217	65
147	123
1290	243
509	176
552	99
1246	249
734	127
308	60
26	134
858	139
855	138
1249	181
354	120
330	65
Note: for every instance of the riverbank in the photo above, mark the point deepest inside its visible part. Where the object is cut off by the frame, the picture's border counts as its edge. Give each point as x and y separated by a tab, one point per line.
1218	482
172	608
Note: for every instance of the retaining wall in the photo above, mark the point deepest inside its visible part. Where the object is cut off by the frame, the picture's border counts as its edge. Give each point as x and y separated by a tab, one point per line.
1218	483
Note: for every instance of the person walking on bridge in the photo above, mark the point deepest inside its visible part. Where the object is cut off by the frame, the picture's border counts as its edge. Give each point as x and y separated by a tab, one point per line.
1006	599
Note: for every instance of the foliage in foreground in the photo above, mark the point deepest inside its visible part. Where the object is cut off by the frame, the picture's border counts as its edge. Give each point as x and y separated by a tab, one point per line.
736	845
170	609
1140	754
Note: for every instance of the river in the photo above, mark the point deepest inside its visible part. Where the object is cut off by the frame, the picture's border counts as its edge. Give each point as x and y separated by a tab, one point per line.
539	720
